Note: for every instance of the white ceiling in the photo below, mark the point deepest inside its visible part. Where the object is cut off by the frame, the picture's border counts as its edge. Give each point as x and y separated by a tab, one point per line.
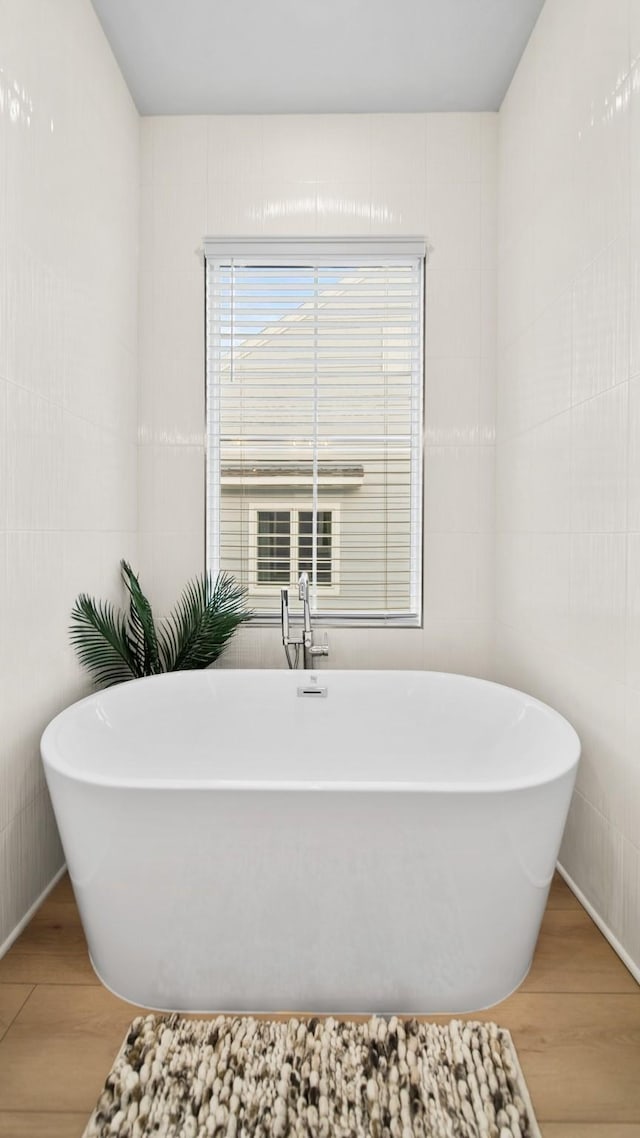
286	56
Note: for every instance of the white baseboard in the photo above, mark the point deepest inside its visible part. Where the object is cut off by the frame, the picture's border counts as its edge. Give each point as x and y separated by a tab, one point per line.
4	948
604	928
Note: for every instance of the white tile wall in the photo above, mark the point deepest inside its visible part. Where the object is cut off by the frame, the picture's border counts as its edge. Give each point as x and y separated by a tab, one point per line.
328	174
568	420
69	139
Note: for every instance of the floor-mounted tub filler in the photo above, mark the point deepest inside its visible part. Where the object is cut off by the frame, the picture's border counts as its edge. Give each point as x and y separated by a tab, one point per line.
351	841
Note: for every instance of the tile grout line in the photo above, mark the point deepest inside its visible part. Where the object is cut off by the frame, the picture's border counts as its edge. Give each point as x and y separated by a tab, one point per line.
297	1012
26	1110
576	992
18	1010
524	990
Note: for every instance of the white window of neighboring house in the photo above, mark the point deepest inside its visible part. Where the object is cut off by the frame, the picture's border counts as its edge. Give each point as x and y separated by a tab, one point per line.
281	546
315	379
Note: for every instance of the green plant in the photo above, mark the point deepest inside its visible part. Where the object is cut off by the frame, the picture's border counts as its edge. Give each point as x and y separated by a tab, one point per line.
116	645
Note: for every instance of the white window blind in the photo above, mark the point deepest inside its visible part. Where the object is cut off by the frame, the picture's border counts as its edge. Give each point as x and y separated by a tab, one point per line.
315	396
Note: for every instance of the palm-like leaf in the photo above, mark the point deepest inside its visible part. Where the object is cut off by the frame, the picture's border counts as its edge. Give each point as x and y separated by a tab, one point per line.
99	635
143	640
203	621
116	646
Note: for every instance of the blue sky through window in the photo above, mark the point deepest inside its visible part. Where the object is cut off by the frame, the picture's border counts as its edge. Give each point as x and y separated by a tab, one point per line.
264	296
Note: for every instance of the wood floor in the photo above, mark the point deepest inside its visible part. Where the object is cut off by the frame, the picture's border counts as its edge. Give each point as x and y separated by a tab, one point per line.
575	1022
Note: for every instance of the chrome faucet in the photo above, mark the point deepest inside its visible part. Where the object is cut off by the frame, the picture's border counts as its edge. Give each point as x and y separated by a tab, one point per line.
305	641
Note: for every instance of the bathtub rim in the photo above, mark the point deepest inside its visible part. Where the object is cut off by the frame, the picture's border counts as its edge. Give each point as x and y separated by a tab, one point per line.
53	759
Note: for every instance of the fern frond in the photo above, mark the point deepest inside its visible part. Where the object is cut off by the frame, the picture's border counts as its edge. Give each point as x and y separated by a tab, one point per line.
141	632
98	632
202	623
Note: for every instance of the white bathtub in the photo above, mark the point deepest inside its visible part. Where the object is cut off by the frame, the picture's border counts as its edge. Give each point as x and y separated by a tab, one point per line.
386	845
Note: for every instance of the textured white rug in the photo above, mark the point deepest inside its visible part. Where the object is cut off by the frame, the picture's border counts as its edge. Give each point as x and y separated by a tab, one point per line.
239	1077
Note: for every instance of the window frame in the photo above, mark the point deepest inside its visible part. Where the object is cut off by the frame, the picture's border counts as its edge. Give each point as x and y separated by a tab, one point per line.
285	251
293	507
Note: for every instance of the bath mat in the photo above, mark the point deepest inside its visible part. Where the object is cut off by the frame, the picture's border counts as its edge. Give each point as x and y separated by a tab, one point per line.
240	1077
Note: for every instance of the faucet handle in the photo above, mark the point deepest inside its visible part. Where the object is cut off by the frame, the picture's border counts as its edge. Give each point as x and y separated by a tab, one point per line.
321	649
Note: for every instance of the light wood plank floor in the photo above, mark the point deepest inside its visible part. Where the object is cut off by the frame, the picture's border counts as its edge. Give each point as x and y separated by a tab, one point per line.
575	1022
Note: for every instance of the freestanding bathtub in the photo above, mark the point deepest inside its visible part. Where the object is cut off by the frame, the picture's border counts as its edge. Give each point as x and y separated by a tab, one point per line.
351	841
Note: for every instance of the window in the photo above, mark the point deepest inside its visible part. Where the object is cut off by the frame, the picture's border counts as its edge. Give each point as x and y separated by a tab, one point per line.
282	546
273	547
323	547
314	423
